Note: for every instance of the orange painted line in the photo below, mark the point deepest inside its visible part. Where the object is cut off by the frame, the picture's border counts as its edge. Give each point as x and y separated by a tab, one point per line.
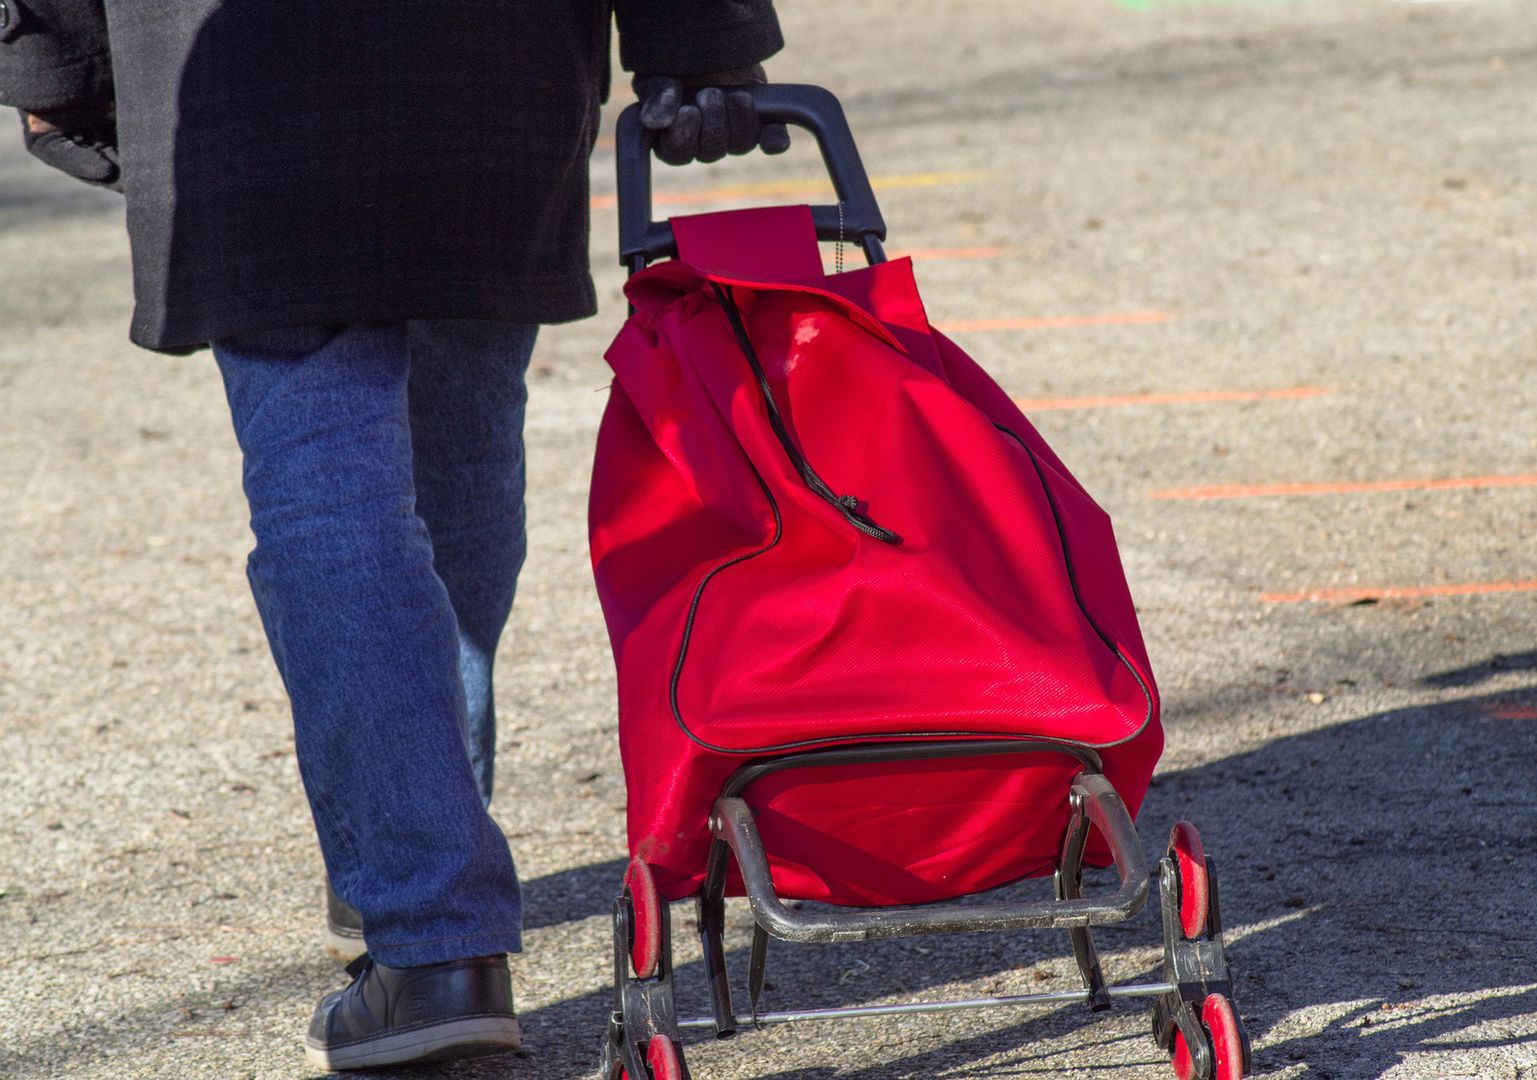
1247	491
1193	397
1508	712
1058	322
1398	592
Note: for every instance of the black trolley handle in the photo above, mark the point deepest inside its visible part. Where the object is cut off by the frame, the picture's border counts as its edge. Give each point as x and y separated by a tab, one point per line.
855	217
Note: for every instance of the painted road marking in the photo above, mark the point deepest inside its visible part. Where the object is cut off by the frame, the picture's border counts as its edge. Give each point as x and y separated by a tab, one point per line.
1191	397
925	255
933	254
1496	711
1351	595
1153	5
1057	322
796	189
1249	491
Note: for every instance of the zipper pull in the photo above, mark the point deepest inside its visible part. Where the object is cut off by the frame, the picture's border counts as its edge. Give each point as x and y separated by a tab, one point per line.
848	506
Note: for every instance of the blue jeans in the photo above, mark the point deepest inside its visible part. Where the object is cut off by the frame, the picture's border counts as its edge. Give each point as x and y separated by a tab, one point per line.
384	471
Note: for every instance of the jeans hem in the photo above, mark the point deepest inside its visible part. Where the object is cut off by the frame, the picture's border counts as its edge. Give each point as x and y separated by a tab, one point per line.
441	950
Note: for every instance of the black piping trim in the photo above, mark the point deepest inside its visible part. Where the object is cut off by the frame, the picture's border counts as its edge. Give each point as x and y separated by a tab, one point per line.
1072	578
878	753
693	610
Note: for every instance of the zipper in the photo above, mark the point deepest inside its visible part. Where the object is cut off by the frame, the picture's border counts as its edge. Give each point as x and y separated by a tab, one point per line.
846	505
1072	574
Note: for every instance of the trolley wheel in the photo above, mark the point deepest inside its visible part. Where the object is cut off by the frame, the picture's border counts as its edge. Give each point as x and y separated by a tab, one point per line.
1227	1040
1184	1067
1194	883
646	920
1229	1047
662	1060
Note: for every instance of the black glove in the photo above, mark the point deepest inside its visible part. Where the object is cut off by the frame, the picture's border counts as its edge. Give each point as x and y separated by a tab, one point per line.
698	118
80	142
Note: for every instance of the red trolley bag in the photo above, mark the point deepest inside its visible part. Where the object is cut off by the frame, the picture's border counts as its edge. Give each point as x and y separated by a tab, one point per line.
849	588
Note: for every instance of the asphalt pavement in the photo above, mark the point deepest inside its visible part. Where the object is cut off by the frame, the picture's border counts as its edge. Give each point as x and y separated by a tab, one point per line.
1264	273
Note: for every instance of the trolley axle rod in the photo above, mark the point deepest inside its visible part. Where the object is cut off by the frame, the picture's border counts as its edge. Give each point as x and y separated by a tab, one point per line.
863	1012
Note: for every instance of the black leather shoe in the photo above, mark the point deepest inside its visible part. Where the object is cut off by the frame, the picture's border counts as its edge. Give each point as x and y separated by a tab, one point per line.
414	1015
343	935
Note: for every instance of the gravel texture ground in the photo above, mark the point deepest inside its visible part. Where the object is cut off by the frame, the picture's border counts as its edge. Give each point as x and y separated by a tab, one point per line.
1334	199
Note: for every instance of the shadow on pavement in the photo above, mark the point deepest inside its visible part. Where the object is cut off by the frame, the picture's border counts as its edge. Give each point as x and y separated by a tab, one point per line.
564	896
1473	674
1378	874
572	895
1382	872
1379	879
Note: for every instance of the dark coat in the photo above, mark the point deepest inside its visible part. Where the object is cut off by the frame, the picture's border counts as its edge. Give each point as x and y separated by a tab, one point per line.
355	160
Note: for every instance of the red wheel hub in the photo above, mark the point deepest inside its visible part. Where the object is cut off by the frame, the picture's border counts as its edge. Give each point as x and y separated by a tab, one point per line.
662	1056
645	919
1226	1037
1194	886
1184	1067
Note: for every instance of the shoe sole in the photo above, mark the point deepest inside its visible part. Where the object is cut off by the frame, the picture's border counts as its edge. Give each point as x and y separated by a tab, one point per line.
343	945
451	1040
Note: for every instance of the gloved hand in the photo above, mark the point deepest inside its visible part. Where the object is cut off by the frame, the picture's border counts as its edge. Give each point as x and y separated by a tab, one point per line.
697	118
80	142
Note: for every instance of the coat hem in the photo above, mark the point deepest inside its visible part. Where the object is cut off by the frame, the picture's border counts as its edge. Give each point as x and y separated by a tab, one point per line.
186	328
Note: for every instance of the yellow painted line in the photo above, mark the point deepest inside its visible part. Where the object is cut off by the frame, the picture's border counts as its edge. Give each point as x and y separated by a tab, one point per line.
923	255
942	254
929	179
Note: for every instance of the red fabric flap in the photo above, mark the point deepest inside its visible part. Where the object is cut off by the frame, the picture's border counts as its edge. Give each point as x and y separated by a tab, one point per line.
774	243
654	289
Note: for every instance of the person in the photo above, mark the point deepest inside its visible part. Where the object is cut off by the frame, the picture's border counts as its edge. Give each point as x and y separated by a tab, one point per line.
367	210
